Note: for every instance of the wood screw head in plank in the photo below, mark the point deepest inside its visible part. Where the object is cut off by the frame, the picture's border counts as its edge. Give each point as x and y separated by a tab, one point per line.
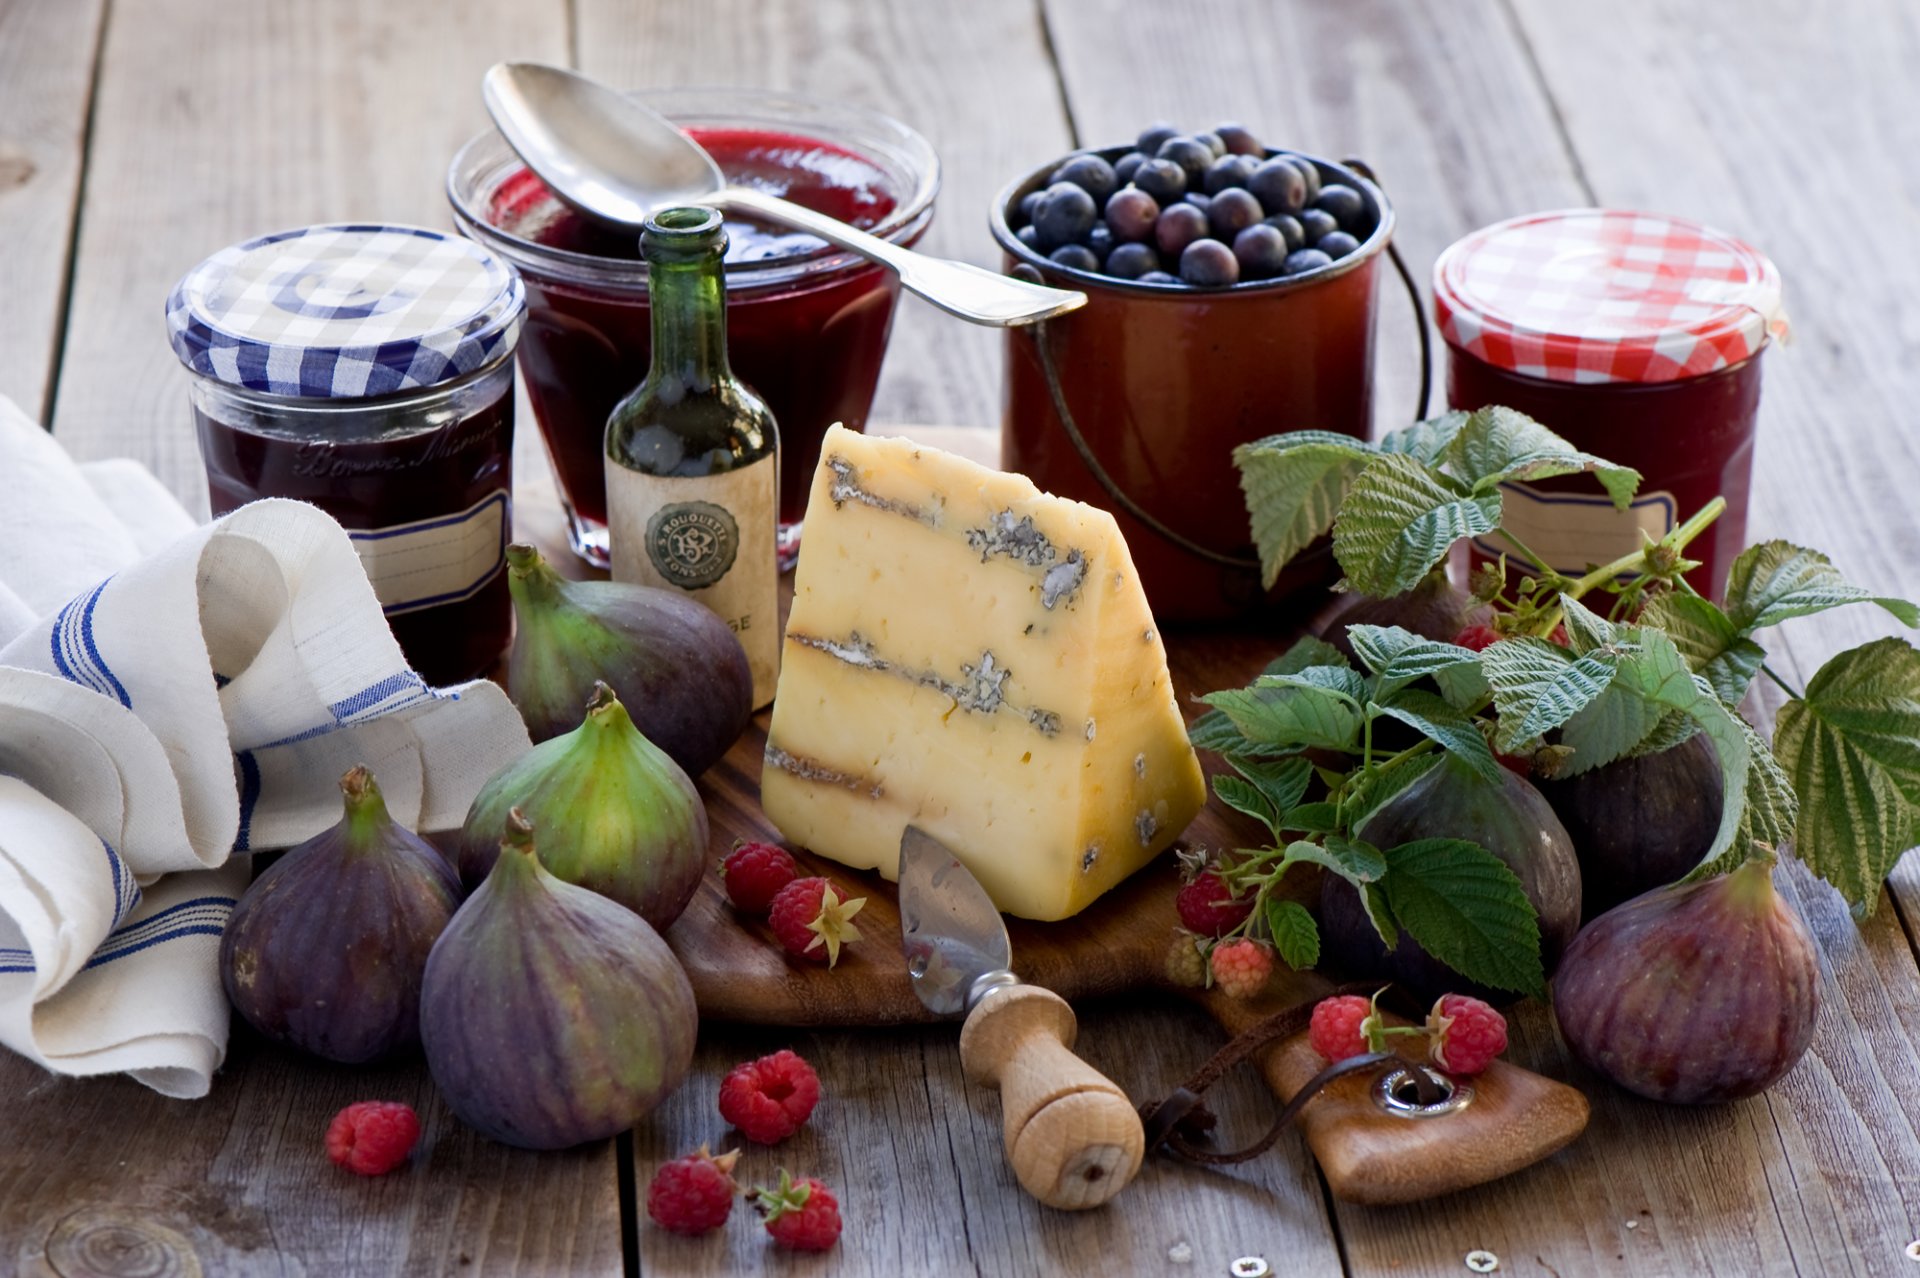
1250	1267
1482	1262
1913	1250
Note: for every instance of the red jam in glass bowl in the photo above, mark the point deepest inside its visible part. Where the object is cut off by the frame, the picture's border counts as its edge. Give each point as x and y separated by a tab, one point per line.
807	324
1637	337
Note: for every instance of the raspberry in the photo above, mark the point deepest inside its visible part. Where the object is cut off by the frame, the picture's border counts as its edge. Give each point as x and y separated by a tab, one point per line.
372	1137
1464	1034
813	921
694	1193
1338	1028
1479	637
1207	906
1242	967
1560	637
1186	965
770	1098
754	872
803	1215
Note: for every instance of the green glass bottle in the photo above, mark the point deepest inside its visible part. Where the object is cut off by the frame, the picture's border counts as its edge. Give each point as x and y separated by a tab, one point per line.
692	453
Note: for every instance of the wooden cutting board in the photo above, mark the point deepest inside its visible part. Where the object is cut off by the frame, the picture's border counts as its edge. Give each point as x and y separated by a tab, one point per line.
740	973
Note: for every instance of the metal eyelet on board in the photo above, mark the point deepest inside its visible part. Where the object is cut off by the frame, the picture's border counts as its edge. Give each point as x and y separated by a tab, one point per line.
1482	1262
1395	1093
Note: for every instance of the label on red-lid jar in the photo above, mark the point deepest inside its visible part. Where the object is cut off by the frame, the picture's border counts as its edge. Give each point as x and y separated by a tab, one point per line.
1575	531
435	561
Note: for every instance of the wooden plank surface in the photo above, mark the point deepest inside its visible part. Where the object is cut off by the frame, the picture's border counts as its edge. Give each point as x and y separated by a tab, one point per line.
46	76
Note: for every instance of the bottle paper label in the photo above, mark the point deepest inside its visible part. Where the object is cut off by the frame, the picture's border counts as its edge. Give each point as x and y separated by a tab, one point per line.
711	537
435	561
1575	531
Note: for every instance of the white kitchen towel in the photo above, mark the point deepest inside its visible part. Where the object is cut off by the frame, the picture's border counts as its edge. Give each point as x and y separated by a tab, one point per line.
181	702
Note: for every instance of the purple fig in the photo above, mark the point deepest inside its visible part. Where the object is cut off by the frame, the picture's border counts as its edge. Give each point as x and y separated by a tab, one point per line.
1434	609
1509	819
615	815
327	949
551	1015
1640	823
680	670
1693	994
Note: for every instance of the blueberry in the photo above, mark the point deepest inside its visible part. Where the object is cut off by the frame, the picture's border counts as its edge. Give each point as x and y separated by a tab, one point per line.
1239	139
1064	214
1191	154
1336	245
1278	186
1090	173
1345	203
1029	237
1317	223
1214	143
1131	213
1304	260
1100	240
1262	251
1290	230
1162	179
1209	264
1131	261
1077	256
1151	137
1198	200
1308	170
1179	226
1124	166
1229	170
1028	203
1232	211
1159	277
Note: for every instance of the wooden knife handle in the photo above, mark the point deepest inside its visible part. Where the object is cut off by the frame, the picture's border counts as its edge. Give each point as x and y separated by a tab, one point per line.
1073	1138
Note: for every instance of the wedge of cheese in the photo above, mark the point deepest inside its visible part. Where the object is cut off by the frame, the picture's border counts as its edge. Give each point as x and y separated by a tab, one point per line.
970	655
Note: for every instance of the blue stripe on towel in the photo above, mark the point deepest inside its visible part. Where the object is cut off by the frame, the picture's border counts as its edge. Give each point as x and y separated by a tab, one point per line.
75	654
202	916
385	690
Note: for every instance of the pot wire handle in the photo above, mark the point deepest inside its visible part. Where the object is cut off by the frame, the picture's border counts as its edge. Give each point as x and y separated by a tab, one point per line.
1044	350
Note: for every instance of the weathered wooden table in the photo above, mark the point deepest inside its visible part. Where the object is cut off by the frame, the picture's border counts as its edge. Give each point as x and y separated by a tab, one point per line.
138	135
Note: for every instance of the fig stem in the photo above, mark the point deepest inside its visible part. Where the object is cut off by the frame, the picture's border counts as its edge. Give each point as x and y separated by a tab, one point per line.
366	807
529	575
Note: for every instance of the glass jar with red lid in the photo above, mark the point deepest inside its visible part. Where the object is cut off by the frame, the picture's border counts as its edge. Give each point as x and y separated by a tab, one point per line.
807	324
368	369
1637	337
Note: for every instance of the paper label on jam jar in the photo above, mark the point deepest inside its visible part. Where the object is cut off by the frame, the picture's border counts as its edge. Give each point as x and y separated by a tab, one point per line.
712	537
435	561
1575	531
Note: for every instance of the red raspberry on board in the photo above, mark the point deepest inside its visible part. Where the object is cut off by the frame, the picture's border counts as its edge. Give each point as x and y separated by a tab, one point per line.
803	1215
770	1098
1208	907
372	1138
754	873
1338	1027
1479	637
1464	1034
693	1194
813	921
1241	968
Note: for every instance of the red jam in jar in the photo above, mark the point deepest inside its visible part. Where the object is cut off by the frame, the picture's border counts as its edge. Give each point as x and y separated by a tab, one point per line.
807	325
369	370
1635	336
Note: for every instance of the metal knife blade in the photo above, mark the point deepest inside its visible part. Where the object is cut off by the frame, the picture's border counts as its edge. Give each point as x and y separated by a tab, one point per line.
953	936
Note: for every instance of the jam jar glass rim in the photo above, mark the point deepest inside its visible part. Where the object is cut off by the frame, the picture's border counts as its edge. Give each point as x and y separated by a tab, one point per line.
486	160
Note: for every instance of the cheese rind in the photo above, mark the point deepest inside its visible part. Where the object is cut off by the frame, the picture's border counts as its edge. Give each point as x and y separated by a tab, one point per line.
970	655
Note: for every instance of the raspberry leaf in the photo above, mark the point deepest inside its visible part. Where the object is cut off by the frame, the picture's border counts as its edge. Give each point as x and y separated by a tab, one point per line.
1294	485
1371	791
1295	936
1467	909
1426	442
1852	749
1398	657
1611	727
1776	580
1308	650
1280	782
1713	644
1355	860
1537	686
1771	809
1293	716
1398	521
1216	732
1499	445
1431	716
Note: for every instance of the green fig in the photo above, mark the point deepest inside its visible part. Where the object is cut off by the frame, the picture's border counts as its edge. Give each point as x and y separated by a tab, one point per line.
678	667
616	815
551	1015
326	949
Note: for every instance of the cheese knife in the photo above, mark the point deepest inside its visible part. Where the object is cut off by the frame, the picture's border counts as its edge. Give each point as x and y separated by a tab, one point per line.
1073	1138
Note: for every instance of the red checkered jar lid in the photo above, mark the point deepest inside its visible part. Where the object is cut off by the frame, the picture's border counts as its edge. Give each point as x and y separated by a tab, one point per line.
1602	295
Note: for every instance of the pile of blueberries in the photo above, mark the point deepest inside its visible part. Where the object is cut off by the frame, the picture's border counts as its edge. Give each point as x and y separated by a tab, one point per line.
1205	209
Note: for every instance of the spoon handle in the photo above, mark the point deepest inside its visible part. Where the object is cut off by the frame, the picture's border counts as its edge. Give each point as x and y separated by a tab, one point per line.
958	288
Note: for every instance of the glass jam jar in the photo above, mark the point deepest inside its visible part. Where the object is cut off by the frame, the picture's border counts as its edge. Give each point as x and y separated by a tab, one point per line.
1635	336
807	325
368	369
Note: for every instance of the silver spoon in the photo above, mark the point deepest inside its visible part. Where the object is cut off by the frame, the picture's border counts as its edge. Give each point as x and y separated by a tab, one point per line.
616	161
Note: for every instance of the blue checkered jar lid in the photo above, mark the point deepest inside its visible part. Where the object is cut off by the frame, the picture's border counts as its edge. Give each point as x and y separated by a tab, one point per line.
345	311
